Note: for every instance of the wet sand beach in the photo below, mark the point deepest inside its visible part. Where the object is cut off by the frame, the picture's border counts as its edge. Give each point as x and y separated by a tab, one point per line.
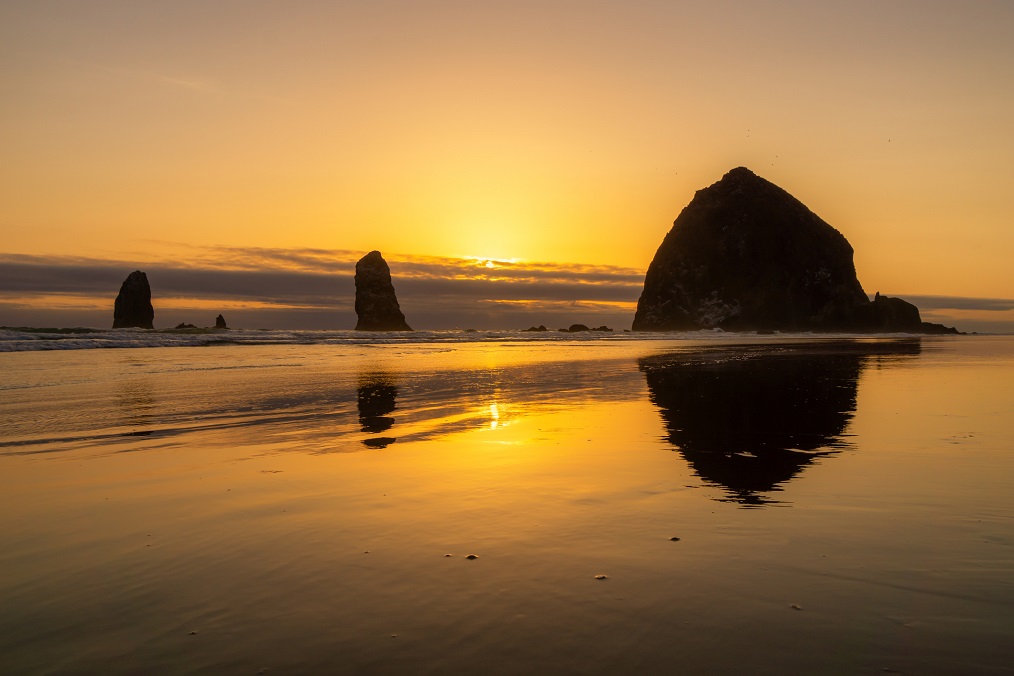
763	505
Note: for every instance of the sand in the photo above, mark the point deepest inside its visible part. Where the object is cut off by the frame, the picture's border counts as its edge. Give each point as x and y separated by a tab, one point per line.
841	506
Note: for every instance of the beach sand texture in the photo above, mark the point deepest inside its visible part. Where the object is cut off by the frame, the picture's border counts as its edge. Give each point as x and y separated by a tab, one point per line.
762	505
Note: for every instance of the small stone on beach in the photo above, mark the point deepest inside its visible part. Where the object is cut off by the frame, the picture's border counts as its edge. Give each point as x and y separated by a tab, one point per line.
601	577
796	606
470	557
674	538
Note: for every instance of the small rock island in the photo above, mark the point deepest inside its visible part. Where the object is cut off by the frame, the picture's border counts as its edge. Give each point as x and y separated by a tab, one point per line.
745	255
376	304
132	308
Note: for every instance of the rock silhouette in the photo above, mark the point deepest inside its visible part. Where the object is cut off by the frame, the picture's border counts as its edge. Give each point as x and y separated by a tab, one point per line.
220	322
746	255
132	308
376	304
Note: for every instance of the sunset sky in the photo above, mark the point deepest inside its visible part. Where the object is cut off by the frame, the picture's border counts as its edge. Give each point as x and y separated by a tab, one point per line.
516	163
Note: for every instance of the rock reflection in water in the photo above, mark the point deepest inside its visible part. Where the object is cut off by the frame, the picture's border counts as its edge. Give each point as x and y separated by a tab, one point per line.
376	398
750	419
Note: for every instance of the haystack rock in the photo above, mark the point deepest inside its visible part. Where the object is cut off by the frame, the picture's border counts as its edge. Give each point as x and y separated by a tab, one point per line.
133	304
745	255
376	305
220	322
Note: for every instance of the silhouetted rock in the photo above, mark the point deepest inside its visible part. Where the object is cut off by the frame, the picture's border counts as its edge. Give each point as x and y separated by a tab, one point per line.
602	328
538	328
185	326
930	327
132	308
745	255
894	314
220	322
577	328
376	305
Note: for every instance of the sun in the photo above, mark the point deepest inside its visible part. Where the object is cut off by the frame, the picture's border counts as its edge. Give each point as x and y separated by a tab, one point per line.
489	263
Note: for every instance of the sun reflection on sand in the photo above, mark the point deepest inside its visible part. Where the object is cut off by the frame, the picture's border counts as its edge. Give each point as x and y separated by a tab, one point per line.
257	495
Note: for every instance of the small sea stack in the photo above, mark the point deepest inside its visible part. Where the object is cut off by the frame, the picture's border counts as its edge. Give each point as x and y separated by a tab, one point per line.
220	322
376	304
132	308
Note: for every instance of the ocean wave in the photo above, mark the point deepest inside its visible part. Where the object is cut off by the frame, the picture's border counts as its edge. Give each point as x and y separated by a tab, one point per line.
28	339
23	339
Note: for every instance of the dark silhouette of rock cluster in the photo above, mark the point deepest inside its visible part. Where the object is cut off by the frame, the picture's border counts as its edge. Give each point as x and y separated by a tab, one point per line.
745	255
376	304
578	328
220	322
132	308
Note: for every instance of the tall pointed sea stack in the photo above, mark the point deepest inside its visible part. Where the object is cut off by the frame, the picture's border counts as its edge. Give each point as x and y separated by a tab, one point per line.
746	255
132	308
376	305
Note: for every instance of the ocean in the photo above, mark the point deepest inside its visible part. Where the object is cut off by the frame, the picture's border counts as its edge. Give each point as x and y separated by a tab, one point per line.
505	502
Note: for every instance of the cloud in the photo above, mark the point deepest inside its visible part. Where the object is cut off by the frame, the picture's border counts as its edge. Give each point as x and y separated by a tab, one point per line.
452	291
961	303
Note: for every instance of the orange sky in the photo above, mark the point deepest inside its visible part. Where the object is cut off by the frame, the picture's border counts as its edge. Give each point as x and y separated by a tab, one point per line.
544	131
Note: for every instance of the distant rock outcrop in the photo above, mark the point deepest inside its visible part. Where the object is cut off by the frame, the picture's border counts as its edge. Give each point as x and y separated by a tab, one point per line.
376	305
537	329
745	255
220	322
132	308
578	328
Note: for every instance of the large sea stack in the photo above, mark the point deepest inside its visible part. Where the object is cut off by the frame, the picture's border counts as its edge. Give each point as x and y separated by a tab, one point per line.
133	304
745	255
376	305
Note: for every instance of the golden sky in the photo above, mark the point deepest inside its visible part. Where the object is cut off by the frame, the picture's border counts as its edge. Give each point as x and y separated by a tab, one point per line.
563	132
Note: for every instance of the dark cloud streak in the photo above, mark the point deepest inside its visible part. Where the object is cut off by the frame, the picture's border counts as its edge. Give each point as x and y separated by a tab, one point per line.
316	288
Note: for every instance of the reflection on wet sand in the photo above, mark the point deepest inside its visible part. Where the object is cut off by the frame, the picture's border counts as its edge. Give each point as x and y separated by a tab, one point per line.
751	420
138	405
376	398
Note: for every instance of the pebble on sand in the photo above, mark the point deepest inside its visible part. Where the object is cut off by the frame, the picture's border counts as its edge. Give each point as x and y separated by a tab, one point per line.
471	557
674	538
601	577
